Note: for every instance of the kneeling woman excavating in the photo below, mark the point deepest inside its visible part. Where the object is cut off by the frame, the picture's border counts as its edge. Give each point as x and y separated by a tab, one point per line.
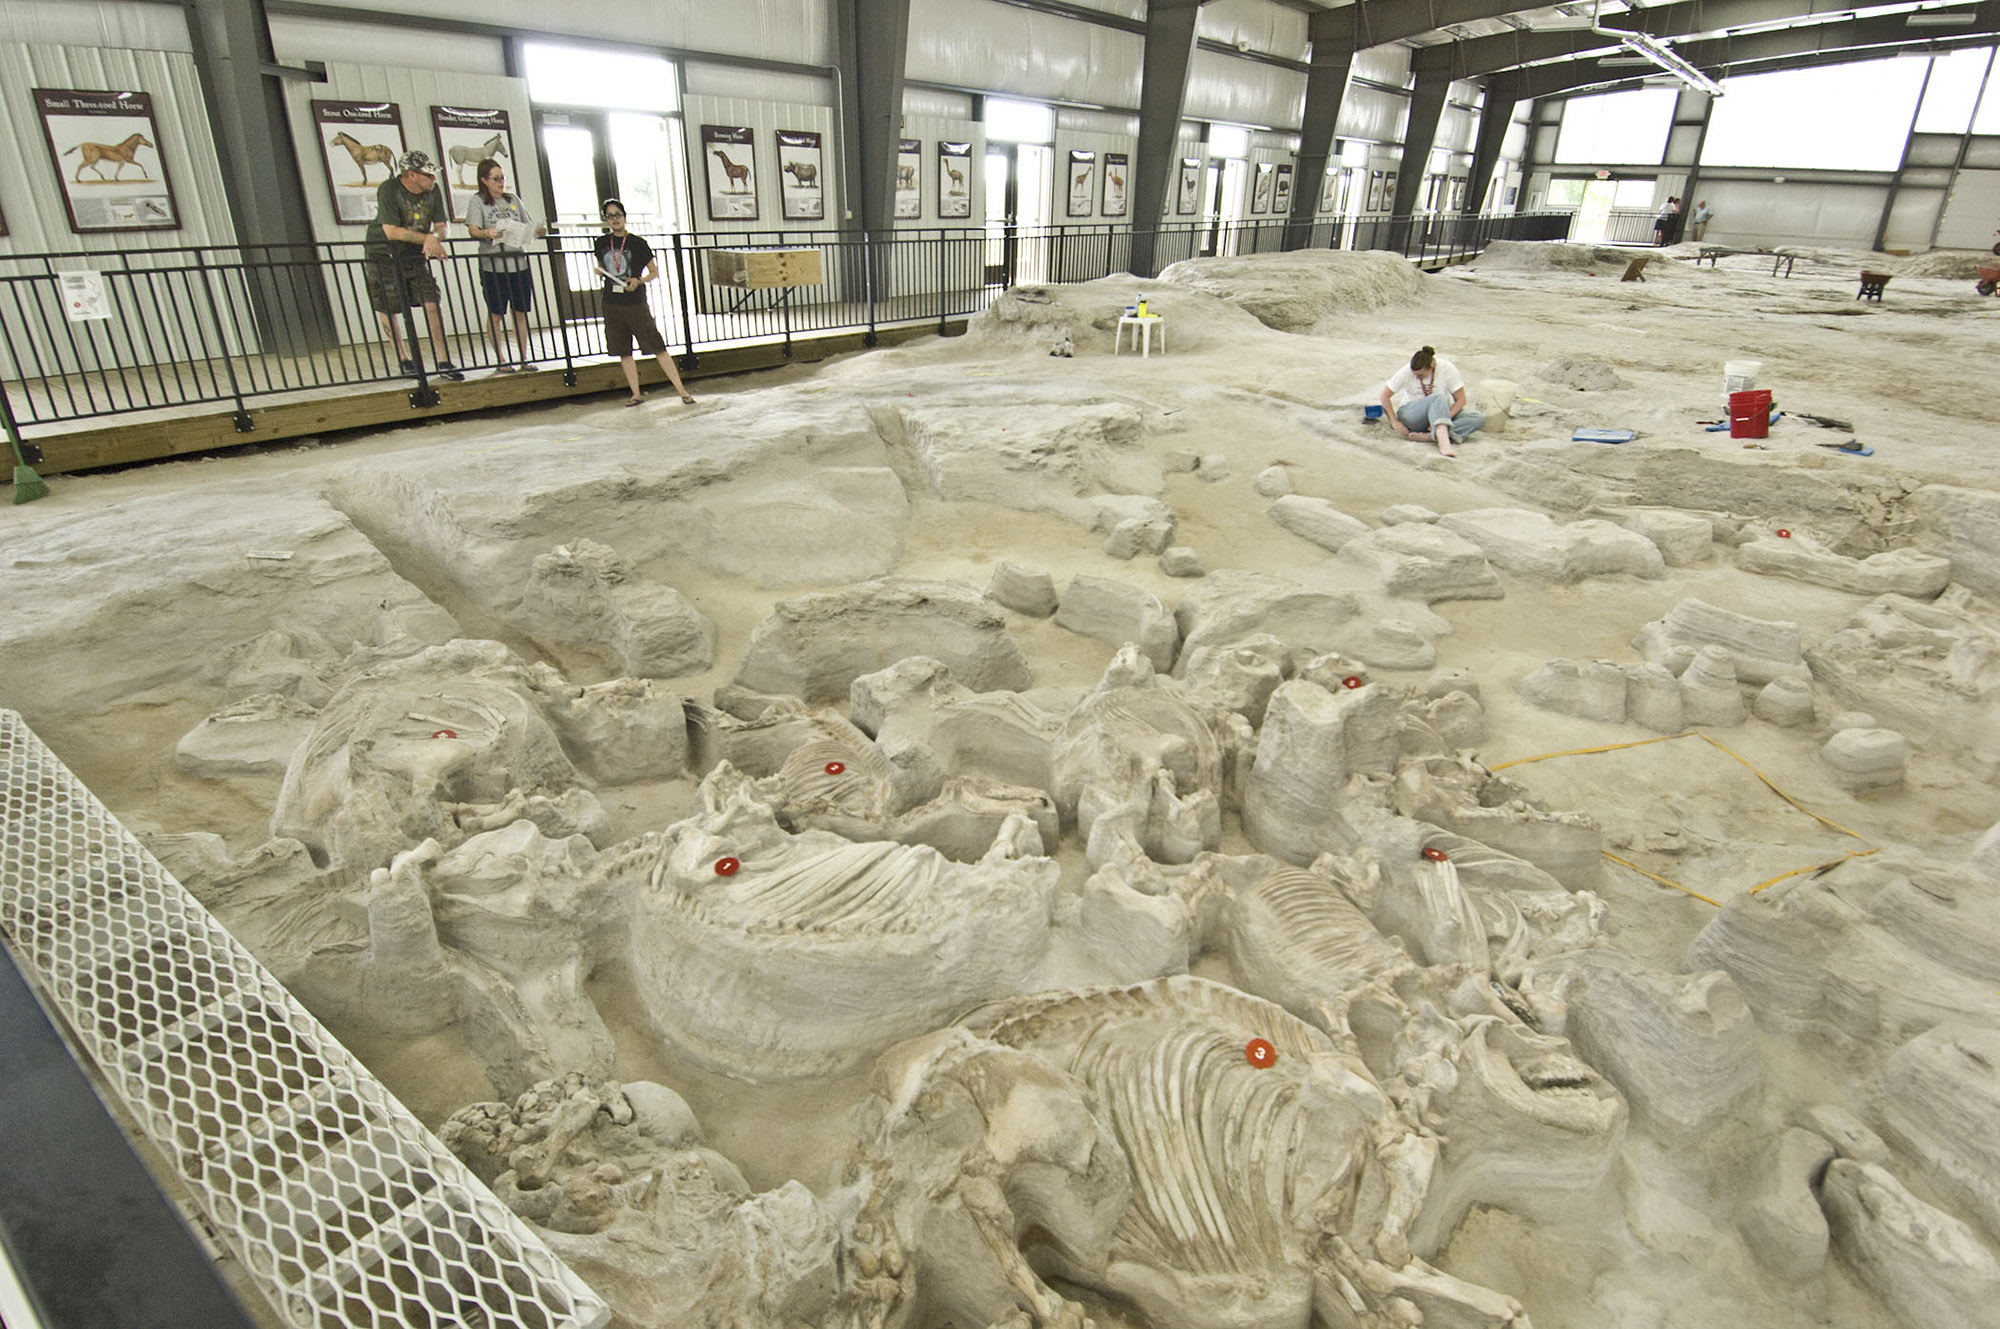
1428	397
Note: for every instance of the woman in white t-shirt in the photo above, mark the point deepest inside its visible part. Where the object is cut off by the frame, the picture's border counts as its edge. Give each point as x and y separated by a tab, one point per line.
1427	396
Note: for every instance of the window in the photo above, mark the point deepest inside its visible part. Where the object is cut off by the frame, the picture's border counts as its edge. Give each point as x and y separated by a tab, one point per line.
1953	90
1617	128
578	76
1851	117
1228	141
1566	193
1019	122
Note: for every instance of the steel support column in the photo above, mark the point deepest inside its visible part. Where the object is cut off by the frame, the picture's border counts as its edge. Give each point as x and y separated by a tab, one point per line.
1326	88
1494	119
241	86
1170	37
871	45
1419	136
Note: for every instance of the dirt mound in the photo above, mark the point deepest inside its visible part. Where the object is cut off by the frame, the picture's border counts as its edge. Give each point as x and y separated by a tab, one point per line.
1293	292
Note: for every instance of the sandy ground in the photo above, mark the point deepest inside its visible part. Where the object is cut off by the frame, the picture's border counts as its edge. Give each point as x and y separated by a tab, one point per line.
1909	374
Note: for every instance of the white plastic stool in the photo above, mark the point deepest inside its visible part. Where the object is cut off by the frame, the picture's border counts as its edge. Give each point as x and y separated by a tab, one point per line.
1142	333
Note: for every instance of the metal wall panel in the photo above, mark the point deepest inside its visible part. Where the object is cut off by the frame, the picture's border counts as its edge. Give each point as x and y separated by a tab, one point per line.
796	31
932	130
1969	213
1022	53
766	118
113	23
1256	25
700	78
1221	87
30	192
1764	212
1372	114
353	42
937	102
1983	151
1096	122
1384	64
1912	218
414	91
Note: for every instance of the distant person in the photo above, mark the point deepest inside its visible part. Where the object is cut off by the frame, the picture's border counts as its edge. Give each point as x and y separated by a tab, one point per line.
1432	396
408	232
627	265
1663	220
1703	214
503	225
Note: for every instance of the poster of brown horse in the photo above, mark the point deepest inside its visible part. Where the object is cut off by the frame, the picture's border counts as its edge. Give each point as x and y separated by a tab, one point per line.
105	147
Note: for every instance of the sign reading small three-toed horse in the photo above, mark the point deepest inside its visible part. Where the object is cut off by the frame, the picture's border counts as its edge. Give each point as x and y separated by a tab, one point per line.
106	150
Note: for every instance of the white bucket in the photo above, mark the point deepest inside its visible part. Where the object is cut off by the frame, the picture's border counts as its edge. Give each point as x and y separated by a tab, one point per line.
1739	376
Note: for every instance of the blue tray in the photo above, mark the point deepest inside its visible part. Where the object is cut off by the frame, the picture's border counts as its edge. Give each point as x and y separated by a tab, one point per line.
1604	435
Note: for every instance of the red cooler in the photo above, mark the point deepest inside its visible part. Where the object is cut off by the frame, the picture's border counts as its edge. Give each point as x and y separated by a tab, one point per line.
1750	413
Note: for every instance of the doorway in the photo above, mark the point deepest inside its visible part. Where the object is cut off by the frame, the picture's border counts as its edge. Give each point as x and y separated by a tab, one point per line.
1018	212
1593	215
591	155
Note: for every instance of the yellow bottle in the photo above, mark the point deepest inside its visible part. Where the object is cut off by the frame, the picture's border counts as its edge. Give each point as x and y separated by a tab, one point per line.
1142	308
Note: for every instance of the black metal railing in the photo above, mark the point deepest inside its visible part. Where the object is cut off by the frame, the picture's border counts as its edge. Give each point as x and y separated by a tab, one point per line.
91	335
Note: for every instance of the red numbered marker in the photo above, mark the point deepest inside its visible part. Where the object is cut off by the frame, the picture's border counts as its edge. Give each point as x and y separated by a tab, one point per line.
1260	1053
726	867
1436	855
1352	681
444	733
835	767
1784	534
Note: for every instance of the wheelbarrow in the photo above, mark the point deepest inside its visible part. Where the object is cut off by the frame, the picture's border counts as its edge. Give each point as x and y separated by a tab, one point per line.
1989	278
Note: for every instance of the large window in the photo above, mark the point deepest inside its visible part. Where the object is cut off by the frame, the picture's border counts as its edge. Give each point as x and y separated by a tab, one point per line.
1952	92
572	76
1618	128
1019	122
1837	117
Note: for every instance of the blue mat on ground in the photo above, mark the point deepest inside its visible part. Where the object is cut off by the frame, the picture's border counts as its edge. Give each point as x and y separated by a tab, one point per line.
1604	435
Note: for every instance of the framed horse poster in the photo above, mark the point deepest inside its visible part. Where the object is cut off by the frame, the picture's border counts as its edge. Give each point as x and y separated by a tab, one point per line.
106	152
360	143
729	165
954	179
909	177
1281	196
1260	193
1330	190
1188	195
467	137
1117	165
799	175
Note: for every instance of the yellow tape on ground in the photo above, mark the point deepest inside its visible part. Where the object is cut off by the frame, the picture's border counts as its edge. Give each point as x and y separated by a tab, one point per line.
1626	862
1768	783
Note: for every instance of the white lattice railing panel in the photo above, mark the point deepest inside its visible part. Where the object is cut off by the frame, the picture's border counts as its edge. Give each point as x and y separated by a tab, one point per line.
342	1207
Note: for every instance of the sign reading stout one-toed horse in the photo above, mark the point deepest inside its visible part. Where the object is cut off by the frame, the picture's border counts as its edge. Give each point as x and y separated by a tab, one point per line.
106	151
729	164
360	144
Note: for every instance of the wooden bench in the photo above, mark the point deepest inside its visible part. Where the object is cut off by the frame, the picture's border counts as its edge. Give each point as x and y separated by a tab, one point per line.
1636	269
1714	252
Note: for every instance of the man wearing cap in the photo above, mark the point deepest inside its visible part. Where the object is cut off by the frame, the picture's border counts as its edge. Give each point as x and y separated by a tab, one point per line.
408	232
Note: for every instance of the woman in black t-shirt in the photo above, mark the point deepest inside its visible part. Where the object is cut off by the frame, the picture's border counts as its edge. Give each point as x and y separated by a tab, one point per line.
627	265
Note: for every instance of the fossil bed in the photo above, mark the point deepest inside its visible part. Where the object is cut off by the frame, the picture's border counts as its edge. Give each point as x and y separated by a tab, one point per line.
961	836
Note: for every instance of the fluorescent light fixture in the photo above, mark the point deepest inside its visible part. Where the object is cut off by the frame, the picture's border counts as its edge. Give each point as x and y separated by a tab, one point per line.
1664	56
1937	18
1612	61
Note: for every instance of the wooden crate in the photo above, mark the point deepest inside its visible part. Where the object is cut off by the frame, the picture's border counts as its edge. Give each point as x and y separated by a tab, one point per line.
764	269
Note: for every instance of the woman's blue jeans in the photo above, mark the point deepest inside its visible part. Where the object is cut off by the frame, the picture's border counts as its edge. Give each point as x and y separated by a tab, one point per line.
1422	415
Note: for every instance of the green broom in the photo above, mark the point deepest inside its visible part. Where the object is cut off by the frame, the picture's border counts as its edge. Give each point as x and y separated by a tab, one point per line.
28	486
